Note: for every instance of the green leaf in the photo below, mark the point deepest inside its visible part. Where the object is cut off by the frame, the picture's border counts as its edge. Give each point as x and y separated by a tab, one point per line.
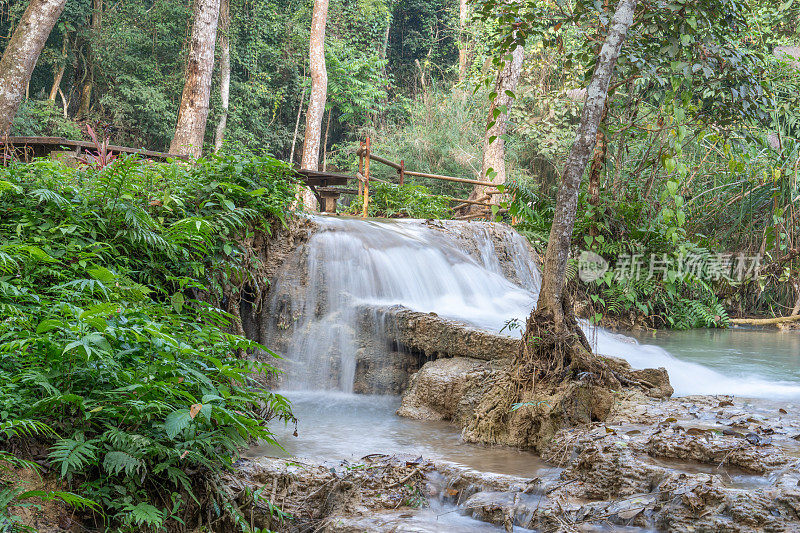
176	422
118	461
47	325
102	274
177	301
145	514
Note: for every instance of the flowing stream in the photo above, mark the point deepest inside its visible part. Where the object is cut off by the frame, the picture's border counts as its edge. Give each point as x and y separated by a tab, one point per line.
460	272
484	276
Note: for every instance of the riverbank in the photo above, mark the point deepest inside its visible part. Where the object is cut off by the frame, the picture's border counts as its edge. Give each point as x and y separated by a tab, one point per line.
697	463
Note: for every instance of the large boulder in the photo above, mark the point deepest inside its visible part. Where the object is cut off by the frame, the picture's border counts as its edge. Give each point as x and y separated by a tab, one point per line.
445	389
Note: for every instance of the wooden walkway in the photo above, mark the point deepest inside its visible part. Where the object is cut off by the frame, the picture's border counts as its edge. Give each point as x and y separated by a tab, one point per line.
26	148
326	186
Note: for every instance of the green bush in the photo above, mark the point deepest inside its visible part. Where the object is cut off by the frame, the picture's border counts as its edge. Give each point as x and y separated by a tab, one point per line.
43	118
407	201
114	345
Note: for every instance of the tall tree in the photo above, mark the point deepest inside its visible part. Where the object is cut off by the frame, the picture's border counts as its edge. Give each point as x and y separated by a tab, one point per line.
319	93
494	144
463	14
22	53
193	113
551	301
553	348
224	71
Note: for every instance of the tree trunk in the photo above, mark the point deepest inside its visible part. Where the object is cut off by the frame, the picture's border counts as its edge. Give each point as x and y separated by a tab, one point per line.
59	73
551	299
325	142
494	146
88	62
86	91
225	71
193	112
319	93
598	162
57	77
21	54
554	370
463	13
297	124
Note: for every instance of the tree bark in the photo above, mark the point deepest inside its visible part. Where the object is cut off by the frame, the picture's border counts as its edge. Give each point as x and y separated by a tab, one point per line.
596	168
21	54
57	77
319	93
193	112
551	299
225	71
494	146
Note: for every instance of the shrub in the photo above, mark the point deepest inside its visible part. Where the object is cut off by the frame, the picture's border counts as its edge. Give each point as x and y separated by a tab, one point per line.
114	343
407	201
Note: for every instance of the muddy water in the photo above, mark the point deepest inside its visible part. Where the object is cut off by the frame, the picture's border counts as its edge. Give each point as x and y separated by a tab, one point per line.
349	426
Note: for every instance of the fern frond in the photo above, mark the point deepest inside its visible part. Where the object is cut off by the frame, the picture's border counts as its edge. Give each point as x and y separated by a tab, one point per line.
73	454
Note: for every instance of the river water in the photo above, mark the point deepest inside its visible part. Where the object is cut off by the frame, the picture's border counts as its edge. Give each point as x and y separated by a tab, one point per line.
457	272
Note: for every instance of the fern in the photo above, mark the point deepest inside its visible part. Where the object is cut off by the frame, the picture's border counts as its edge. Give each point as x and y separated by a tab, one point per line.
117	461
73	454
144	514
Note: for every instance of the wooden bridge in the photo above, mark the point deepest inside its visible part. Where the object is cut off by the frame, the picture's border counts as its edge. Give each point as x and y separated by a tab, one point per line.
328	187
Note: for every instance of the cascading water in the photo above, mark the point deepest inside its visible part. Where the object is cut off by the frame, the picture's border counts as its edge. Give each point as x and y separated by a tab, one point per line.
480	274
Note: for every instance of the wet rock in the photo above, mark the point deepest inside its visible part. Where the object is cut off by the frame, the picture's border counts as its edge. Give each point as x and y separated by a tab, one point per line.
318	495
655	381
444	389
710	448
435	336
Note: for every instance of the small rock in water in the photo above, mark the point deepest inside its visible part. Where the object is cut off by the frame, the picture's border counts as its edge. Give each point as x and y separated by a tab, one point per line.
756	440
731	433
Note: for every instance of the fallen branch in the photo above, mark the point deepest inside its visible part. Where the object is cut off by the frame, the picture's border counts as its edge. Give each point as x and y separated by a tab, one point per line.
765	321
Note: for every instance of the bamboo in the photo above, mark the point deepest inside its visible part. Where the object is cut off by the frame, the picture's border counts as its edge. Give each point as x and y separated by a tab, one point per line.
465	203
380	159
449	178
396	166
366	180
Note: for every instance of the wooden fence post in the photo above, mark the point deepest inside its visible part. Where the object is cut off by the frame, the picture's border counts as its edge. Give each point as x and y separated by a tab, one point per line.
360	166
402	171
366	178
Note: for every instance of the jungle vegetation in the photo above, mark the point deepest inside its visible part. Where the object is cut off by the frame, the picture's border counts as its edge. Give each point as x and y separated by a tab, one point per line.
118	278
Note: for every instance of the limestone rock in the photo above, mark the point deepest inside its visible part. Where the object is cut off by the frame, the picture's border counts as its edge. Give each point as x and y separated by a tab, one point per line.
443	389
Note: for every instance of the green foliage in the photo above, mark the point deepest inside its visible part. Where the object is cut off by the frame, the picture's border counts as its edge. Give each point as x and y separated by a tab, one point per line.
43	118
116	347
408	201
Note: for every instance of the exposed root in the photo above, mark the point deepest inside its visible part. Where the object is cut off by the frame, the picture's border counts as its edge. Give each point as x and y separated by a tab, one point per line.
554	381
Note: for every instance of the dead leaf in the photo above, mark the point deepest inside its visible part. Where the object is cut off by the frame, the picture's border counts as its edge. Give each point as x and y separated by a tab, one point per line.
194	409
783	411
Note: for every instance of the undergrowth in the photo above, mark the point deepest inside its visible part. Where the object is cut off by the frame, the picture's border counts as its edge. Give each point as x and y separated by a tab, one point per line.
406	201
119	371
620	230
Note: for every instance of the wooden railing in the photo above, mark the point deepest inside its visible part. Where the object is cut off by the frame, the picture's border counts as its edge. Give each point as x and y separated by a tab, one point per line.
365	155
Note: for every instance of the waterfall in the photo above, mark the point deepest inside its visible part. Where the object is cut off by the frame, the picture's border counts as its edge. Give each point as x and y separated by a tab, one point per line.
481	274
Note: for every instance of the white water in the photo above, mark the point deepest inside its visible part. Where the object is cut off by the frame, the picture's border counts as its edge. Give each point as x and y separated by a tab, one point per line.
425	268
